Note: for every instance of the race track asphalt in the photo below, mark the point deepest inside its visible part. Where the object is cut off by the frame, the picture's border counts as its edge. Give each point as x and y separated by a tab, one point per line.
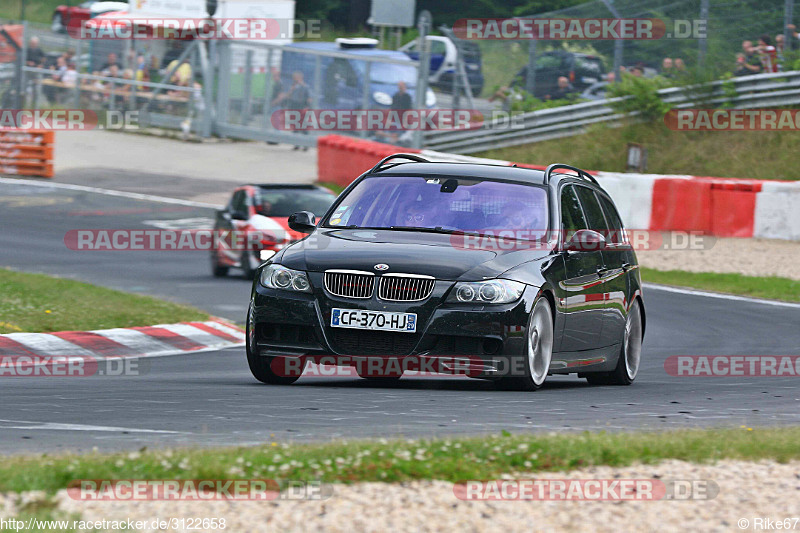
211	399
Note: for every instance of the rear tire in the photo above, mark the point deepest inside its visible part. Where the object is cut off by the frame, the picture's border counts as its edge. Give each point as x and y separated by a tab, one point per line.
261	367
217	270
629	356
247	270
539	350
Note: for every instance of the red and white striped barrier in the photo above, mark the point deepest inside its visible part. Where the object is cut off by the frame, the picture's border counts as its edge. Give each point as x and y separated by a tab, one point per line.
725	207
151	341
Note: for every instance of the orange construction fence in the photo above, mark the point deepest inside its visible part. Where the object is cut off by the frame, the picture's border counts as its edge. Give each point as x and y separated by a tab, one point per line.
27	153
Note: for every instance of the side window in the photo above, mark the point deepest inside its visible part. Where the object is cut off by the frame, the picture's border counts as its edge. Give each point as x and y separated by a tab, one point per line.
592	210
571	215
617	235
438	48
239	202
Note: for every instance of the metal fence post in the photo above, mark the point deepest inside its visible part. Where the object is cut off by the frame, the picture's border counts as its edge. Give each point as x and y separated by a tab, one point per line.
224	83
317	82
247	88
703	44
366	96
788	18
77	93
530	73
269	92
424	24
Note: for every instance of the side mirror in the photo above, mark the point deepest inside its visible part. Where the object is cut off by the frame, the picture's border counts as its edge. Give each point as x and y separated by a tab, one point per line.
303	221
238	215
585	240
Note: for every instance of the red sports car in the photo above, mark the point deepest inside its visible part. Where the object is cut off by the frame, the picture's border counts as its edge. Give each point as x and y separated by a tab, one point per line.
69	18
262	210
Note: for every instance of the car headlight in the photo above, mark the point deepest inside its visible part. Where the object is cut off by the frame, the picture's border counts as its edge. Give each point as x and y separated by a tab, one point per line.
430	98
382	98
493	291
280	277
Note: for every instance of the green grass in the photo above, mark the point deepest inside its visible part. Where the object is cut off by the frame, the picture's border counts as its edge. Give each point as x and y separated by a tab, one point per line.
403	460
35	10
754	154
40	303
770	287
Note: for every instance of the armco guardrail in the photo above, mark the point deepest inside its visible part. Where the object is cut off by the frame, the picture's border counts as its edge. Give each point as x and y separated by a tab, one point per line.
760	91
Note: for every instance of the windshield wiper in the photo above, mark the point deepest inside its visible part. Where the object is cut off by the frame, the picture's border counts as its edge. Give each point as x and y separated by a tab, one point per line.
437	229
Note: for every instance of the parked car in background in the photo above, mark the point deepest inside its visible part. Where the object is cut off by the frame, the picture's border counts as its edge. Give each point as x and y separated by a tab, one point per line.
264	209
444	54
70	18
582	70
343	76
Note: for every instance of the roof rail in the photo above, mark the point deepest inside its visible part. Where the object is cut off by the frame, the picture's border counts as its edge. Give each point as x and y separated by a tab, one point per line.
410	157
581	173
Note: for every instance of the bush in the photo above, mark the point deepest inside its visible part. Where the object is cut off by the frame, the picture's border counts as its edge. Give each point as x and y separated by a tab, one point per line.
642	96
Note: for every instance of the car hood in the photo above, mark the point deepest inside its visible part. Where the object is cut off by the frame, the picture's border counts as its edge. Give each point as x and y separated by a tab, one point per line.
442	256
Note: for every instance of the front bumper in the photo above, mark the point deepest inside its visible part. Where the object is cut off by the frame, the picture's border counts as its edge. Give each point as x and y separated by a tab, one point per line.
284	323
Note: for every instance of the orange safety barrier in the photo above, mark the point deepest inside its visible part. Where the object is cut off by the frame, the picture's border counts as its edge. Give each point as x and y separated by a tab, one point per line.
341	159
27	153
7	52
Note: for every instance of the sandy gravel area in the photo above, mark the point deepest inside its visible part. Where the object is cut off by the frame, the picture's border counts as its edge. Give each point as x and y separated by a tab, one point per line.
746	491
752	257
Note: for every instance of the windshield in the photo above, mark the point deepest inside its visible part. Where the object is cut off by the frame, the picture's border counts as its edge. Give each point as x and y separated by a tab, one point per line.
285	202
391	73
445	204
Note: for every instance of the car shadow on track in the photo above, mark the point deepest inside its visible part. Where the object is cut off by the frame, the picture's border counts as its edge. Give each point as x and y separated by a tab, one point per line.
450	384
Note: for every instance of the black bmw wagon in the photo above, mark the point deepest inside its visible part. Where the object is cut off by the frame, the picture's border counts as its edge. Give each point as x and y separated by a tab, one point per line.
502	273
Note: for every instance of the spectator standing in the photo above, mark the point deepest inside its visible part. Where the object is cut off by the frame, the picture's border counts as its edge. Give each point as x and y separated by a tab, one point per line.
298	97
667	68
767	54
794	37
34	56
401	99
563	90
70	77
779	48
748	62
111	61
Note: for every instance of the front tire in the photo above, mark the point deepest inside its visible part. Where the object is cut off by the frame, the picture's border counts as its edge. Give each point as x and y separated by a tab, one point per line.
57	24
630	355
247	268
261	367
539	351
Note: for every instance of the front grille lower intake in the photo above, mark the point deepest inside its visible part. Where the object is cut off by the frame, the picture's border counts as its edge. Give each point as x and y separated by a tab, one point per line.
405	287
350	283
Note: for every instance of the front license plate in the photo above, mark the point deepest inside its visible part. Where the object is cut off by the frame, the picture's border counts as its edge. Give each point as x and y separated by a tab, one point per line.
374	320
